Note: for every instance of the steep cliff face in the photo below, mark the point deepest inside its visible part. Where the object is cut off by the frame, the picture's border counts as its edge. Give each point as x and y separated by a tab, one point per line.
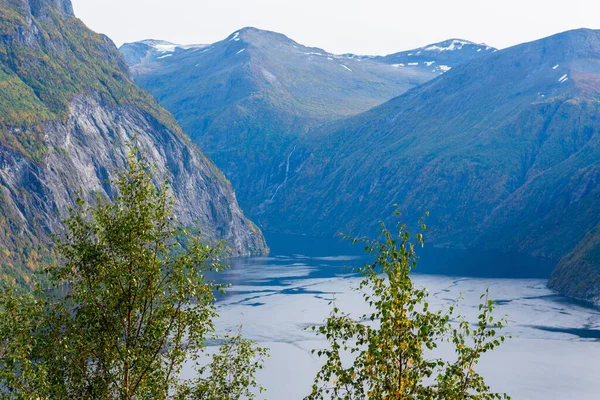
67	112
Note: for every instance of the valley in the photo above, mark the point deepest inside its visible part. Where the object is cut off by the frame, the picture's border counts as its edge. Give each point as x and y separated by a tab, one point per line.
249	99
499	146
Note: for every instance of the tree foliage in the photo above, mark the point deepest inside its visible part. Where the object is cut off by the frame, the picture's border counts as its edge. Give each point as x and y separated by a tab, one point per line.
392	352
125	311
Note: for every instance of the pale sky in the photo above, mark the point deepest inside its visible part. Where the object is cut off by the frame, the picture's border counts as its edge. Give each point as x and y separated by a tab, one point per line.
370	27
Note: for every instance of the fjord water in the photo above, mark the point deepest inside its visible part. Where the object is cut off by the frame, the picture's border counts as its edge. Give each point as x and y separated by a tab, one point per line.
553	354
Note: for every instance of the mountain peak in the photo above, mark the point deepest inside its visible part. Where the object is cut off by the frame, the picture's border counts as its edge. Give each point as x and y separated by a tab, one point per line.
574	33
251	30
258	36
163	46
149	50
452	45
442	55
156	42
573	43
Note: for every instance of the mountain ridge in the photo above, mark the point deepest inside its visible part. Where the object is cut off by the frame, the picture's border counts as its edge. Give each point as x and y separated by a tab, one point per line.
441	55
248	99
447	47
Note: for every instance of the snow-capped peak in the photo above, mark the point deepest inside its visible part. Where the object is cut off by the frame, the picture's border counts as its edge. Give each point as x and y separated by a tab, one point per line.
161	46
452	45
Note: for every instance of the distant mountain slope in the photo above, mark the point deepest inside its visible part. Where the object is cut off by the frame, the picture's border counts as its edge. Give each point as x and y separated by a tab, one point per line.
67	111
248	99
503	150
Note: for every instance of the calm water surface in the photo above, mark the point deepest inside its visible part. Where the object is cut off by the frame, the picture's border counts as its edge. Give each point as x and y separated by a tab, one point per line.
554	353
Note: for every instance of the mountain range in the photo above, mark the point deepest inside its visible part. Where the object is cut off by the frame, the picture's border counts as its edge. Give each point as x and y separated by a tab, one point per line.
248	99
68	111
503	150
502	147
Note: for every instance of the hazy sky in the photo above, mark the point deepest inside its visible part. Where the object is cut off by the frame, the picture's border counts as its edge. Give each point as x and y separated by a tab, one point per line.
341	26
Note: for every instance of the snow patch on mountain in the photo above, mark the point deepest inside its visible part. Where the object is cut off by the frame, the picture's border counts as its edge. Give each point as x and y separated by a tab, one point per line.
454	45
192	46
269	76
161	46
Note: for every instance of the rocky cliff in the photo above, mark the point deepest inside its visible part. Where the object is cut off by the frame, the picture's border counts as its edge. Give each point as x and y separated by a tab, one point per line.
67	112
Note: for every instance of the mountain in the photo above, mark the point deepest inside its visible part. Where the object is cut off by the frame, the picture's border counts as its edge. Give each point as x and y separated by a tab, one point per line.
147	51
67	112
248	99
439	57
504	151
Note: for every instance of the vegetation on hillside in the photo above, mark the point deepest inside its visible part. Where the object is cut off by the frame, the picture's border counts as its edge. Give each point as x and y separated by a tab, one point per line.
42	70
578	273
125	310
47	59
129	306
